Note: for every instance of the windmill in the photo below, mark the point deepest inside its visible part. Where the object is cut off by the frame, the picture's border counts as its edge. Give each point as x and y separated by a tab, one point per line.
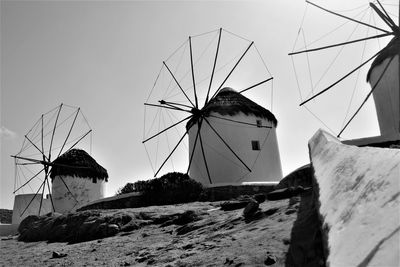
232	139
54	134
376	23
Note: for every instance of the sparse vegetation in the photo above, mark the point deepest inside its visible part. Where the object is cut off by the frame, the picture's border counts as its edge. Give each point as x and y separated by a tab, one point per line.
171	188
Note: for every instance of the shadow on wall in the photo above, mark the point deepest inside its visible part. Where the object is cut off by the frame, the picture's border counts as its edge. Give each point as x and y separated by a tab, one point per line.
306	247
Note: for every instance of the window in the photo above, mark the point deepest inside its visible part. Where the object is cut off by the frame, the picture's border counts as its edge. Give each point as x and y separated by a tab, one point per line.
255	145
259	123
94	180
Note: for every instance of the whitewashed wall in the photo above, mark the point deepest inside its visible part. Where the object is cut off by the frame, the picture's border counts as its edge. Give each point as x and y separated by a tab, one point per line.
359	201
83	189
22	201
386	96
224	167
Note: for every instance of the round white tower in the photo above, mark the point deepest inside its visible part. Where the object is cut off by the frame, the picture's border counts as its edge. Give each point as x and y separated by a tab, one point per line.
239	142
384	74
76	180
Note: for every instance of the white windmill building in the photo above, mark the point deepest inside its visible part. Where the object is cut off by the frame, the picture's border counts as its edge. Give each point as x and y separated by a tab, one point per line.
246	149
75	186
231	139
384	73
383	76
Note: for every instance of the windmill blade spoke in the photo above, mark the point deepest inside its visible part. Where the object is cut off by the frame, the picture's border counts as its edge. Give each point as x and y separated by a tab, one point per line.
33	177
54	131
41	199
166	129
226	144
30	202
205	159
36	161
166	107
368	95
384	17
191	65
69	191
341	44
176	81
341	79
27	163
80	139
50	193
240	122
194	145
69	132
348	18
170	104
170	154
215	63
234	67
176	104
255	85
41	152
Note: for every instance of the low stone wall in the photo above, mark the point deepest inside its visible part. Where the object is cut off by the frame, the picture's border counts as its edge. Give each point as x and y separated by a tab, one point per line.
358	200
217	193
130	200
226	192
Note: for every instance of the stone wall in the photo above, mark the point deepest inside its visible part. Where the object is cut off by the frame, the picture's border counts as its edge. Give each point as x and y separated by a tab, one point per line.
358	200
218	193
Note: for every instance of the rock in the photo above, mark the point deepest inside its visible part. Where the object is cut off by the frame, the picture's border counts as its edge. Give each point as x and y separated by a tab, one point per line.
187	228
186	217
112	229
260	198
27	223
57	255
188	246
287	192
290	211
228	261
130	226
301	176
271	211
250	210
270	260
233	205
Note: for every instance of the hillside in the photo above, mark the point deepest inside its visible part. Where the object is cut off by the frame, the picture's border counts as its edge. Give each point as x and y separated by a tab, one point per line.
5	216
159	237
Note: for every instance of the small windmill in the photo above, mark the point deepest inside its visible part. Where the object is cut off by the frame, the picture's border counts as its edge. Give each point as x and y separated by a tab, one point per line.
55	133
383	75
231	138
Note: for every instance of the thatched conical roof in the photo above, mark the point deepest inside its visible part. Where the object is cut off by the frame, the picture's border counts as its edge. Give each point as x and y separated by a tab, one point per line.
78	163
229	102
391	50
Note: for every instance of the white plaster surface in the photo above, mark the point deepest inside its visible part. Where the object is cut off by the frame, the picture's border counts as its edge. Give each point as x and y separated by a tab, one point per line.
223	166
359	201
21	202
82	189
386	96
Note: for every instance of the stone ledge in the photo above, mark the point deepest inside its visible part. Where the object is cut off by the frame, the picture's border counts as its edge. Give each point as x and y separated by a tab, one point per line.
359	201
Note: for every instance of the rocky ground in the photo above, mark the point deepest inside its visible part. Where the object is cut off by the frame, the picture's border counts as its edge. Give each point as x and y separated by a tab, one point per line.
215	237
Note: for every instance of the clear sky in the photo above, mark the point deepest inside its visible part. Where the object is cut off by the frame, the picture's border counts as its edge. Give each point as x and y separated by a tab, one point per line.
104	57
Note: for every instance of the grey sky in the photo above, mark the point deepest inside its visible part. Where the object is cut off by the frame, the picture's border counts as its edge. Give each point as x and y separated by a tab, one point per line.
104	57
